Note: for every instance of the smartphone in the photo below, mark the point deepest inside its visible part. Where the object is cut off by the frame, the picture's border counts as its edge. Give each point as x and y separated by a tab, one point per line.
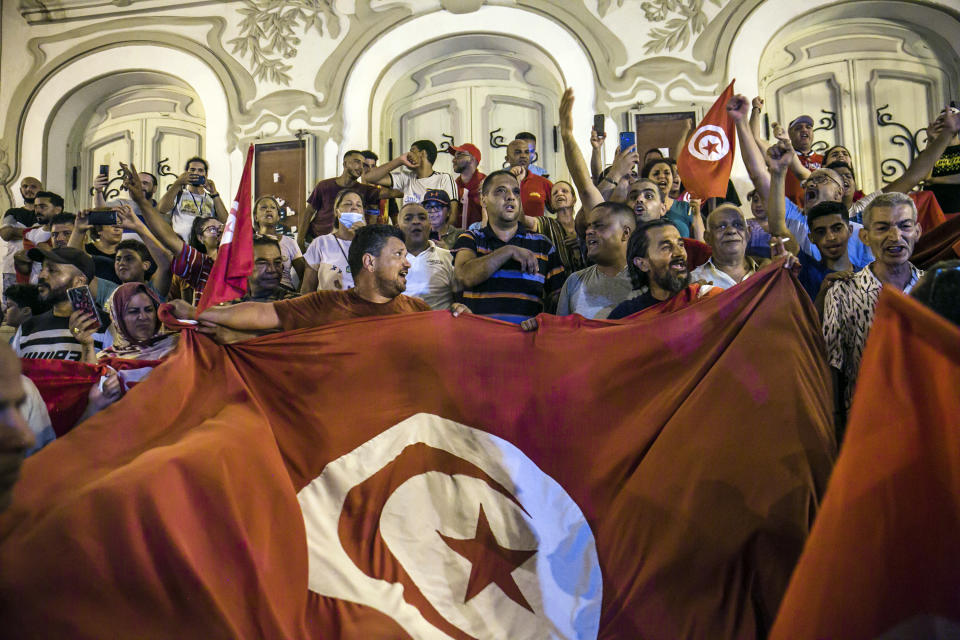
104	169
102	216
81	299
627	140
197	180
598	122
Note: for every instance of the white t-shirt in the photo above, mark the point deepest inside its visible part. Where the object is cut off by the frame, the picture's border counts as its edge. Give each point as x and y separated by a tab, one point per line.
330	249
414	188
189	206
431	277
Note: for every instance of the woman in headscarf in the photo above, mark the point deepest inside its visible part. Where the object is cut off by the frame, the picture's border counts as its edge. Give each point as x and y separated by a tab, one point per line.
138	332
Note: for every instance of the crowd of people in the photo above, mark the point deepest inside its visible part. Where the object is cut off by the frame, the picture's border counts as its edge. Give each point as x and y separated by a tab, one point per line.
401	237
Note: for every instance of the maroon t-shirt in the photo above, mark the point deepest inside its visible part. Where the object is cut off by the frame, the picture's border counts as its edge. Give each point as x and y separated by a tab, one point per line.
474	212
322	202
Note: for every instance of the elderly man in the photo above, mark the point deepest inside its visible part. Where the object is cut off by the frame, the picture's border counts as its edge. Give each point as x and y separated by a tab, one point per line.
891	229
431	276
592	292
657	260
727	236
534	190
507	273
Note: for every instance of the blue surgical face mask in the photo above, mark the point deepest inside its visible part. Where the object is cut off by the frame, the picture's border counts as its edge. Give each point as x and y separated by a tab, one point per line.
348	218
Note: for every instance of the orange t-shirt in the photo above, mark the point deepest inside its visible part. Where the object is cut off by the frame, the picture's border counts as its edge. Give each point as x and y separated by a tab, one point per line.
323	307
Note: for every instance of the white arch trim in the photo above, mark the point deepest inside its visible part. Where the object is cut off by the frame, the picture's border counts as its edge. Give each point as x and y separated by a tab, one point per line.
66	80
571	59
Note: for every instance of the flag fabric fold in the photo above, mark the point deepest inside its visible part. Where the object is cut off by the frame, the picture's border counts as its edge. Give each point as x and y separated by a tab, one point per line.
705	161
228	277
883	560
454	477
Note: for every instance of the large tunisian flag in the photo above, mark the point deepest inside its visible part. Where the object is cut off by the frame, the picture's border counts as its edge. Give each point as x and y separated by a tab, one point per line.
228	277
883	560
705	161
424	476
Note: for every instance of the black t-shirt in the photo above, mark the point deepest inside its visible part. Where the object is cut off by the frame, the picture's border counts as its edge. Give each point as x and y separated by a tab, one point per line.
631	306
103	263
19	215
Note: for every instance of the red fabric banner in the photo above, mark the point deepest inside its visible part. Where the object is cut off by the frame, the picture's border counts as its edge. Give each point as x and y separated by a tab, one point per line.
653	477
883	560
228	277
707	158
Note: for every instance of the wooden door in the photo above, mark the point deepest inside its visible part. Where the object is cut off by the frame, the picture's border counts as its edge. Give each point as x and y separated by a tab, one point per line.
280	171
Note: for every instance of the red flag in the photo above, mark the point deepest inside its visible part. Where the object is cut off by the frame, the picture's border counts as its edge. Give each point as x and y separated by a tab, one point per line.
649	478
705	161
228	278
883	560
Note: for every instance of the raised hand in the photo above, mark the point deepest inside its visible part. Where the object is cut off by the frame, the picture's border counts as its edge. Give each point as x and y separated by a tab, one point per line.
624	160
779	156
100	182
738	107
131	181
757	103
126	218
566	111
596	140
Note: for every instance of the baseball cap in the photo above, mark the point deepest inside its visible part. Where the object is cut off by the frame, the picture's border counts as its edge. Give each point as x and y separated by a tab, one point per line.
801	120
469	148
436	195
65	255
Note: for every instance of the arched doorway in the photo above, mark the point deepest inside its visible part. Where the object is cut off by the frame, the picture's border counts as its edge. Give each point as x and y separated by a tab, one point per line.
73	93
557	53
478	88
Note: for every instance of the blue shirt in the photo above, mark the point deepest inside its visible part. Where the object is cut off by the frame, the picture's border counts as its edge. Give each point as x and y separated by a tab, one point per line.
859	253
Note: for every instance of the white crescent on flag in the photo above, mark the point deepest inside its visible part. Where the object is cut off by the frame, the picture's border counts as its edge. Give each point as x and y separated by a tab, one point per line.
453	533
709	142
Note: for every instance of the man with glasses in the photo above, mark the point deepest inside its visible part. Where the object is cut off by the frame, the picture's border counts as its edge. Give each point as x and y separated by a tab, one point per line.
891	230
466	160
437	205
726	234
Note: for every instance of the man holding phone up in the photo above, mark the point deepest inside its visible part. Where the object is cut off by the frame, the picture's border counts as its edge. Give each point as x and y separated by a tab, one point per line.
64	332
192	196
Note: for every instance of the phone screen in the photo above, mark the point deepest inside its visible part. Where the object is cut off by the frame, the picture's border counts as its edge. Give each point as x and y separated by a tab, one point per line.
104	169
598	121
81	299
627	140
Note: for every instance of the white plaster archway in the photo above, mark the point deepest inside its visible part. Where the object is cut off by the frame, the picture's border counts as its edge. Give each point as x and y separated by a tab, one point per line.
572	61
40	124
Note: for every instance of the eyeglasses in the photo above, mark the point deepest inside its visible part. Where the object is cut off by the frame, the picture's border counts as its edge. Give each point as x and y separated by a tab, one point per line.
817	179
433	208
211	229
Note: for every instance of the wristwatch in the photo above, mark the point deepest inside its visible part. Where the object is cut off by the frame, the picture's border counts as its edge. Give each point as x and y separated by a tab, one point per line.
607	179
214	195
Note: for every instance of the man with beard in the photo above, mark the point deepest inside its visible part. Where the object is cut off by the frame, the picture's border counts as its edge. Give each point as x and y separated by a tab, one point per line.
729	263
16	221
413	174
192	195
657	261
318	219
378	260
431	276
466	160
507	273
592	292
62	333
534	189
891	229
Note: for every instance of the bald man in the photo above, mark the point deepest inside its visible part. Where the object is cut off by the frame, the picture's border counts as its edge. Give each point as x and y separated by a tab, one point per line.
726	233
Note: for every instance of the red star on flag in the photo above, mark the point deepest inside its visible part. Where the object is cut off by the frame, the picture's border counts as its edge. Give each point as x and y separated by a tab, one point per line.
711	148
492	563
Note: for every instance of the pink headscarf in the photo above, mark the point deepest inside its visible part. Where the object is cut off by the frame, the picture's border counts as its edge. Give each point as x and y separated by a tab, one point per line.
121	299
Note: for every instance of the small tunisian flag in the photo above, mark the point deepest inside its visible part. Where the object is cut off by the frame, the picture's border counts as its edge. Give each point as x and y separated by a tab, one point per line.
705	162
883	559
650	478
228	278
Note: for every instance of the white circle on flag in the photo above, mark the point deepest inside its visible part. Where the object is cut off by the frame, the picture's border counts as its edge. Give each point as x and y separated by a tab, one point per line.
709	142
427	526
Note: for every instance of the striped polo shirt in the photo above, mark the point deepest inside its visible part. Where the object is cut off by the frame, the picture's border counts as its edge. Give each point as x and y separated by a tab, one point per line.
48	337
510	294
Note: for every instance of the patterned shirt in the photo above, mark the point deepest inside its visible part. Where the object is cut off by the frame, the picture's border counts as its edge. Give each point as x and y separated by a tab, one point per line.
847	318
194	267
510	294
48	337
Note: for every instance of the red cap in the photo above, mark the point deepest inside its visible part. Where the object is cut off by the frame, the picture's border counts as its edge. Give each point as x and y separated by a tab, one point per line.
469	148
